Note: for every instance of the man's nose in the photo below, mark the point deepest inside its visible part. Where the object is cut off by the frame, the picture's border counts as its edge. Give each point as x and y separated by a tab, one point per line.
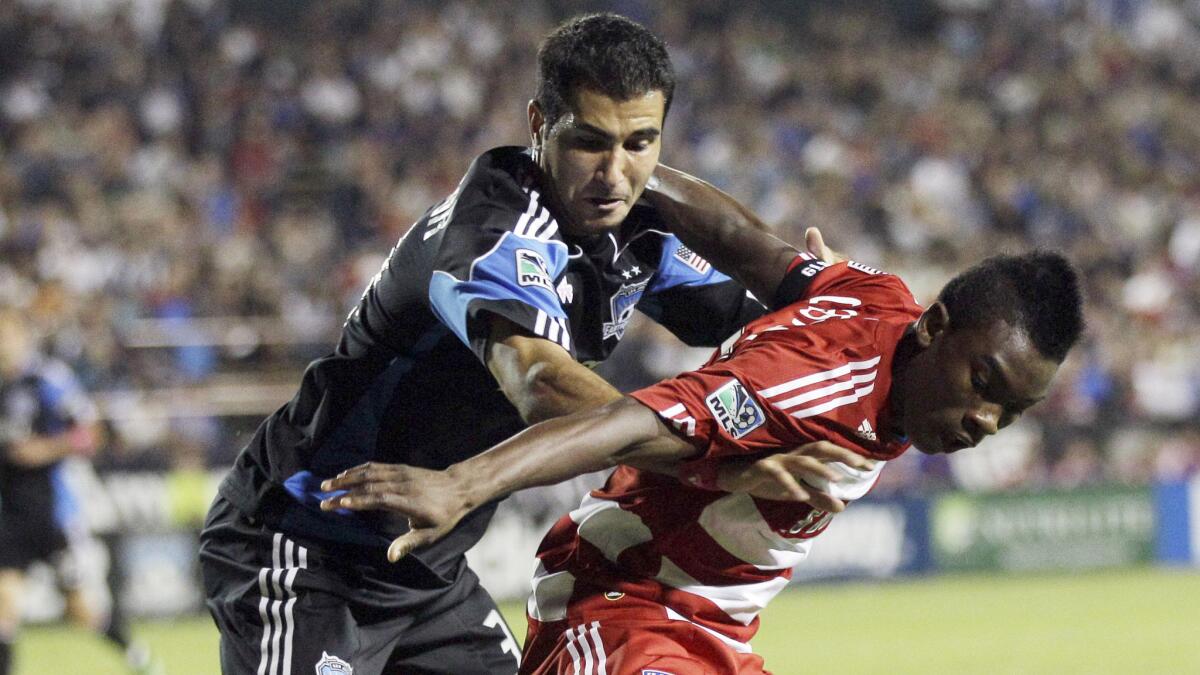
612	167
983	421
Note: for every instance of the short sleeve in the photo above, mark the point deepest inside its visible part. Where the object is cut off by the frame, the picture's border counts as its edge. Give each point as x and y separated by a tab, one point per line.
500	254
720	409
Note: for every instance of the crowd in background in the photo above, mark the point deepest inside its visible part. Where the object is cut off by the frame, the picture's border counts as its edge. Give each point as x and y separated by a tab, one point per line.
194	193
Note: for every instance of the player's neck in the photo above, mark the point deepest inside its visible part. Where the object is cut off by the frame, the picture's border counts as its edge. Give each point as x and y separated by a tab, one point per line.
906	349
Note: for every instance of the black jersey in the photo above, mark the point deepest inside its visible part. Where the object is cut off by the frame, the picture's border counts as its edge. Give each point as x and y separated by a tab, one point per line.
407	382
46	400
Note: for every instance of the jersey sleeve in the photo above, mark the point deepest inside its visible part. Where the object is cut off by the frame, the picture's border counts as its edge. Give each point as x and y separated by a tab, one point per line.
499	254
724	408
690	298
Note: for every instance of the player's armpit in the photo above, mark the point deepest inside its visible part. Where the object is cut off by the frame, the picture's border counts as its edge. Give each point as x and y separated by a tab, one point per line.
539	377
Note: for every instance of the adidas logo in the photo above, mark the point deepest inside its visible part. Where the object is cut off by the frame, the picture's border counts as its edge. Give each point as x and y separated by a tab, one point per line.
866	431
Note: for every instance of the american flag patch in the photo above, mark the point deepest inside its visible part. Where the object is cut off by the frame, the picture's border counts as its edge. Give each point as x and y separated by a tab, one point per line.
692	259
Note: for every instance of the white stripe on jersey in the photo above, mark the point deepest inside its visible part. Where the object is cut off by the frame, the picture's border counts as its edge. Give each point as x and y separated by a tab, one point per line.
843	383
742	602
814	378
835	403
736	524
814	394
536	222
276	607
677	415
554	329
739	647
605	525
601	657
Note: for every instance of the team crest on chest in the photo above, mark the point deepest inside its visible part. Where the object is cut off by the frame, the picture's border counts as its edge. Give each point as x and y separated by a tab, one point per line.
735	410
532	270
332	665
622	304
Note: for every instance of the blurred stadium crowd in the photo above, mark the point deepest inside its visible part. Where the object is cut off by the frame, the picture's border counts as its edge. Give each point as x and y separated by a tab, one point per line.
193	193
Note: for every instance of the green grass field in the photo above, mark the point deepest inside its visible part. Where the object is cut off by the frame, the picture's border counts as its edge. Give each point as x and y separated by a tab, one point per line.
1138	621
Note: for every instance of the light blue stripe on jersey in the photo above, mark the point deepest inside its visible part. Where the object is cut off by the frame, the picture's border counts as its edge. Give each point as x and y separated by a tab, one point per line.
674	272
494	276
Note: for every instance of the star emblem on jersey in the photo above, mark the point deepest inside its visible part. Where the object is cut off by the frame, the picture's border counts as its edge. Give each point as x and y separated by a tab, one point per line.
332	665
622	304
865	431
532	270
735	410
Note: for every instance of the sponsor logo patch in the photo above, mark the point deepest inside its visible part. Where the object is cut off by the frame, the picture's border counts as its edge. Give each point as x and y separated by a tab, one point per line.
735	410
332	665
532	270
622	304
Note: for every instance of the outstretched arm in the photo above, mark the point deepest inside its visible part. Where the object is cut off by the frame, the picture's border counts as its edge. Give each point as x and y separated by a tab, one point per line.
622	432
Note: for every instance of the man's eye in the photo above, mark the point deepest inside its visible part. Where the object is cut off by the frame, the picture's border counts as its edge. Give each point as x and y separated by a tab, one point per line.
639	146
978	382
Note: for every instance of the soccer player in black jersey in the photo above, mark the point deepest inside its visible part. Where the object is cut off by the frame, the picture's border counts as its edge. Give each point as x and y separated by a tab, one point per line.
482	321
45	418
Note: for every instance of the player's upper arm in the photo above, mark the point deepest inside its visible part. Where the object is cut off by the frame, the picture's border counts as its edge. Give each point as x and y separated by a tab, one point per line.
719	228
539	377
499	255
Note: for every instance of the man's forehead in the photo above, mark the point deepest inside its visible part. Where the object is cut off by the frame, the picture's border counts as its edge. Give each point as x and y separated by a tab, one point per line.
593	110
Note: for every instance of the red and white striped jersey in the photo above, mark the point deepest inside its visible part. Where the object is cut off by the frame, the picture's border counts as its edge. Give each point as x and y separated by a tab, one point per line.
817	369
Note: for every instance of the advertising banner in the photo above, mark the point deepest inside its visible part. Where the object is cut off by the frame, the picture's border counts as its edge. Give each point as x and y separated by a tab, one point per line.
1099	527
873	538
1178	511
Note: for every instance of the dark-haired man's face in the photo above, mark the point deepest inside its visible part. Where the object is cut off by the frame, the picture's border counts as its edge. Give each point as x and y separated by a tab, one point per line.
969	383
599	156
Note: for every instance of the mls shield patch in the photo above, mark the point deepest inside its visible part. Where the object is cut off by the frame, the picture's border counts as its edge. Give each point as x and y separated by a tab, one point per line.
622	304
332	665
735	410
532	270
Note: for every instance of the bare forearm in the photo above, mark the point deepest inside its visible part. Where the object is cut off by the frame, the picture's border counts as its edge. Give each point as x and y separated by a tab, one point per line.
39	450
565	447
553	395
719	228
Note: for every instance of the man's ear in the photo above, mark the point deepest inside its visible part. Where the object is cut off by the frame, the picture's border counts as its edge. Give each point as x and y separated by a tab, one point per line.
933	322
537	124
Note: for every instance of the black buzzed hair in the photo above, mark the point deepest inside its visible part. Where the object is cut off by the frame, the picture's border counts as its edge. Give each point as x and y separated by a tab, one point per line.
607	53
1037	292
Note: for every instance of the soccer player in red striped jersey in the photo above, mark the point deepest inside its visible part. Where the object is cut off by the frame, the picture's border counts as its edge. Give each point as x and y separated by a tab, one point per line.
667	567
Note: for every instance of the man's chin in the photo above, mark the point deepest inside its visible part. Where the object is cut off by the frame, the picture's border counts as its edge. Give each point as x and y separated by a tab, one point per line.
599	224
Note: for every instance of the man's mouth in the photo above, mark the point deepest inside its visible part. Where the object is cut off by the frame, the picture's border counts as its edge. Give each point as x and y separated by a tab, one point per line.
956	442
605	203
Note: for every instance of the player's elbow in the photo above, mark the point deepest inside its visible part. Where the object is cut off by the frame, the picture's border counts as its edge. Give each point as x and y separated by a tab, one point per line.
544	393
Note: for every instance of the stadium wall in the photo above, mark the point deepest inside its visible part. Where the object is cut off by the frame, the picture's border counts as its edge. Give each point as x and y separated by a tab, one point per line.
150	522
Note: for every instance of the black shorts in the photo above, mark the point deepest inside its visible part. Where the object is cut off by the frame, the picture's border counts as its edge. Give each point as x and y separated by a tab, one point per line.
26	539
287	607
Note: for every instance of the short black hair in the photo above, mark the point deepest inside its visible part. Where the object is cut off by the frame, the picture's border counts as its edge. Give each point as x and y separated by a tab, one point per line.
1037	292
606	52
